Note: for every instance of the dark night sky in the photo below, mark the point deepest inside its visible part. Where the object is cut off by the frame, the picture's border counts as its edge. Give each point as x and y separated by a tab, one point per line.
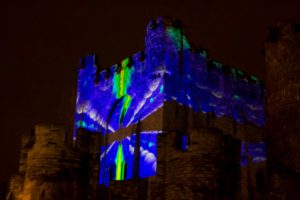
41	44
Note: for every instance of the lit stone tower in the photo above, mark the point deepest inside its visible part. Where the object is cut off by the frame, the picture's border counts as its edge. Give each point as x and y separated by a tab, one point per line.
52	168
283	110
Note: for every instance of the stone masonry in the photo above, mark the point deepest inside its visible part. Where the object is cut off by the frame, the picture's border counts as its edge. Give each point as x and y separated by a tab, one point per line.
283	110
215	163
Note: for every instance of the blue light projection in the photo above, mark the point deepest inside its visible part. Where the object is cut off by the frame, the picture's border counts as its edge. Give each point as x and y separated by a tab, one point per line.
254	151
169	70
184	143
117	159
119	99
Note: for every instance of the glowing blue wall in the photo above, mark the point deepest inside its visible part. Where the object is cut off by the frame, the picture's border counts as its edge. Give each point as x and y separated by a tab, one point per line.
147	157
97	105
168	70
255	151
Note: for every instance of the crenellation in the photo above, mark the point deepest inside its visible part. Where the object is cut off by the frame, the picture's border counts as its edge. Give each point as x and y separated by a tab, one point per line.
170	123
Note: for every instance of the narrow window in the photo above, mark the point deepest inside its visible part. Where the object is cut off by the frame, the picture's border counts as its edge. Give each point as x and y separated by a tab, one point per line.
260	181
43	195
182	141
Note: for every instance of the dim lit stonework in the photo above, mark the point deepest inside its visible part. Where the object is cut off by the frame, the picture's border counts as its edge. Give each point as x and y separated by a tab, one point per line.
169	123
51	167
283	110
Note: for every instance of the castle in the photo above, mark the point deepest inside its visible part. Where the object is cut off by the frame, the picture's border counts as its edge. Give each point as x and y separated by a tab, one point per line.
169	123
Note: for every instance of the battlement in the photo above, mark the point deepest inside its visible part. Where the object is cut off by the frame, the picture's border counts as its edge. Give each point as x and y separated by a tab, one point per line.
181	125
170	93
168	70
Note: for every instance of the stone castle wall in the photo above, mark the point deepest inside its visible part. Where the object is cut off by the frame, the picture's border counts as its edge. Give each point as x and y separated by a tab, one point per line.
198	172
283	109
210	167
52	168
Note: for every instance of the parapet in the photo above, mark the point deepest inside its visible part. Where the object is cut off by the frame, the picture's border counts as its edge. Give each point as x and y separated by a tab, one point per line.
51	154
47	135
169	69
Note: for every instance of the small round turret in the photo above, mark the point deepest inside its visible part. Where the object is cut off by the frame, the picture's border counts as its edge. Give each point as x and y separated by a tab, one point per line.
52	170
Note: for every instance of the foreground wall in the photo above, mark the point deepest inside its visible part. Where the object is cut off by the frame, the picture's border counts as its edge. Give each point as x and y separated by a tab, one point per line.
53	167
203	112
209	166
283	110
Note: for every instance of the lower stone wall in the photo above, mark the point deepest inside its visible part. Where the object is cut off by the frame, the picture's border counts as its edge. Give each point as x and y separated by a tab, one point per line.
190	174
253	181
52	189
135	189
208	169
198	172
284	185
157	183
52	167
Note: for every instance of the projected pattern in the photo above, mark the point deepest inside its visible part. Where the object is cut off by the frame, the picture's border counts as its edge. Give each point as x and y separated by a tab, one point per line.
123	95
117	159
169	70
256	152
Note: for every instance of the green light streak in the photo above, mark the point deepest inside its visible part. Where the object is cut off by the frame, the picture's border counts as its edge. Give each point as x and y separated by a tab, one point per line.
126	103
217	64
175	34
236	97
121	82
81	123
254	78
161	89
240	73
125	62
120	164
122	79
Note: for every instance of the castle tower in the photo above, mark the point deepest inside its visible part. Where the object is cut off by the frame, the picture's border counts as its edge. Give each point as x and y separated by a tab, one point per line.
165	123
283	110
17	180
52	168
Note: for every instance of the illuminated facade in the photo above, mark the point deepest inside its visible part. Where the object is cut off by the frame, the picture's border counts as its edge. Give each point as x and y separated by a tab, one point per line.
164	123
119	158
169	70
